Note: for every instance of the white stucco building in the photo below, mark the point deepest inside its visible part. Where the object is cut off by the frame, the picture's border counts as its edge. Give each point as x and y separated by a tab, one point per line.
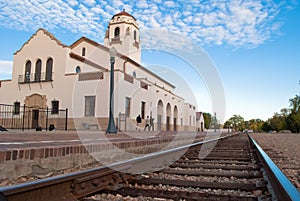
48	73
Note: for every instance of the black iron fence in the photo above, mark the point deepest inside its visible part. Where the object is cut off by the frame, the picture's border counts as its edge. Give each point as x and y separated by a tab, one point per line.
24	117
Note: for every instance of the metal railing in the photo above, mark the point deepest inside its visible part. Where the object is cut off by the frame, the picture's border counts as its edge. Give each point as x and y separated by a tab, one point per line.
35	77
24	117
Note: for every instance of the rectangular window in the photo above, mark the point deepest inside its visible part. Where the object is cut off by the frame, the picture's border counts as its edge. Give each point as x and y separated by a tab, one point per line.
55	107
143	108
127	106
90	106
17	107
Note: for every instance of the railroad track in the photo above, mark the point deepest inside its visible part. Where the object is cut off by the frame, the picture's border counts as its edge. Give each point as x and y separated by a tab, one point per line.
235	168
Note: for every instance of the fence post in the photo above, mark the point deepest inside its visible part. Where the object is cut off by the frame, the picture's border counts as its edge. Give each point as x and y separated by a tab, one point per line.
66	120
23	122
47	119
12	118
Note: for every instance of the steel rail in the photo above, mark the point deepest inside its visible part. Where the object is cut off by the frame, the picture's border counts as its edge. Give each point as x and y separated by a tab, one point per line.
281	185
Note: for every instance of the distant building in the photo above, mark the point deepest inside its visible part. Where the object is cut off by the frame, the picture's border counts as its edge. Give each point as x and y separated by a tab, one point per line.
48	73
200	121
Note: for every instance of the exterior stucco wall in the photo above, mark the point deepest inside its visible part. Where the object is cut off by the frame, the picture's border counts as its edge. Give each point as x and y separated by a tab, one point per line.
70	91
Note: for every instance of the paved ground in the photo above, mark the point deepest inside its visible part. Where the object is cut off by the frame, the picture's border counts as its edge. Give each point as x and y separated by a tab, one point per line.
23	139
284	150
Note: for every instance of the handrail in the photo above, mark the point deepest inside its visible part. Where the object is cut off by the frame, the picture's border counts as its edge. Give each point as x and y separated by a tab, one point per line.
283	187
35	77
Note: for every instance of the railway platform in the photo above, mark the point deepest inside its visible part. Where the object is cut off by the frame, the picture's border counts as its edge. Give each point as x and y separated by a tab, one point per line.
24	153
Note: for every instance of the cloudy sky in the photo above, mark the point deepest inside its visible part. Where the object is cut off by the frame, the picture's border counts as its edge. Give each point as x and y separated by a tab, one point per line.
254	44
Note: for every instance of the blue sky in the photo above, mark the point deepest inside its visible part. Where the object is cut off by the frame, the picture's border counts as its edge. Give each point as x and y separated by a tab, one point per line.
254	44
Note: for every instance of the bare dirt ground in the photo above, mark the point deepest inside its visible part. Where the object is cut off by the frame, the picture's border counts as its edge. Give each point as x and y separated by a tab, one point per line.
284	150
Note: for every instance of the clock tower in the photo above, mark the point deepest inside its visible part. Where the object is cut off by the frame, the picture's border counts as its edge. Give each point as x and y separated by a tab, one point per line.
123	34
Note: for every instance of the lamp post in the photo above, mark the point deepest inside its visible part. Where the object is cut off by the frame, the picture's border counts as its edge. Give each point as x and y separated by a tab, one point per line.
111	128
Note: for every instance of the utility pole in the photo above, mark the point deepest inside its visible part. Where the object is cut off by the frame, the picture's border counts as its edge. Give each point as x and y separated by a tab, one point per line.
216	122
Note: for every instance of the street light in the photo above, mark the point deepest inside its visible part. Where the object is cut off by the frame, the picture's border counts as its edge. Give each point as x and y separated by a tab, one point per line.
111	128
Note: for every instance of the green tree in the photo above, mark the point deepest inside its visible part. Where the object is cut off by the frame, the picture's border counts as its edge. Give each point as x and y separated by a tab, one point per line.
277	122
266	126
295	104
207	120
293	119
236	122
255	125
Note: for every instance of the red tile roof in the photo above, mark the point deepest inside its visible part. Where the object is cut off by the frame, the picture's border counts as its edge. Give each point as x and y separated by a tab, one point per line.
123	13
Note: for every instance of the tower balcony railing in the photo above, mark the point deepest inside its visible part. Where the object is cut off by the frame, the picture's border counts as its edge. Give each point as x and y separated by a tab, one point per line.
35	77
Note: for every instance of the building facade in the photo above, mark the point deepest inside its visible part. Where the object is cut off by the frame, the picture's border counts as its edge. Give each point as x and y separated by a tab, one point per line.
49	74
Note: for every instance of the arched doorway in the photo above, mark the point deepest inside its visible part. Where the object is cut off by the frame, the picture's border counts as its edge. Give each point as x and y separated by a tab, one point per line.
168	117
175	118
35	102
160	111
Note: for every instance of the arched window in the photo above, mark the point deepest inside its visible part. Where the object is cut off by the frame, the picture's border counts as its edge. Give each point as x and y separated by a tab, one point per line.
27	71
128	31
38	69
134	74
49	68
117	32
83	52
134	34
77	69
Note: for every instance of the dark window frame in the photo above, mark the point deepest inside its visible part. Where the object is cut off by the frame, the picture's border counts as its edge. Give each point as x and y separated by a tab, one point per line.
143	109
38	70
17	107
55	107
49	69
27	71
78	69
117	32
134	35
89	106
83	52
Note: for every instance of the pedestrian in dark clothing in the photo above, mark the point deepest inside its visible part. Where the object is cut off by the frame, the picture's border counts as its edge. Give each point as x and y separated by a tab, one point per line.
138	120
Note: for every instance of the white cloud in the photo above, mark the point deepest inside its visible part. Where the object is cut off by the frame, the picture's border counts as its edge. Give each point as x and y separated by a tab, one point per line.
89	2
72	2
5	69
142	4
236	23
170	4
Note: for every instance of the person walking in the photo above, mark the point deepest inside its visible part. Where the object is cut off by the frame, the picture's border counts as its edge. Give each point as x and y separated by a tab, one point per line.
147	121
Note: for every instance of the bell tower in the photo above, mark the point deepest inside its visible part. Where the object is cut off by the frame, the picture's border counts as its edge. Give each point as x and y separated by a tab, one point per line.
123	33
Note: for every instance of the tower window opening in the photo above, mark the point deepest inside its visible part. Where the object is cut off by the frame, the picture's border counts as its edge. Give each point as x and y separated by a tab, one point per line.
83	51
128	31
117	32
134	34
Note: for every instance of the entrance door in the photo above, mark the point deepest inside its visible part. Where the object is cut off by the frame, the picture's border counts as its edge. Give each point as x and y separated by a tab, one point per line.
159	122
35	118
168	123
175	124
